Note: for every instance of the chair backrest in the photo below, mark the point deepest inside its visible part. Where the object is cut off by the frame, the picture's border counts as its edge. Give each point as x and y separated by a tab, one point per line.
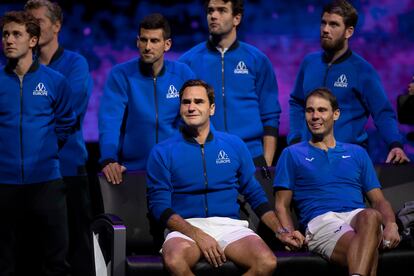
128	201
405	109
397	183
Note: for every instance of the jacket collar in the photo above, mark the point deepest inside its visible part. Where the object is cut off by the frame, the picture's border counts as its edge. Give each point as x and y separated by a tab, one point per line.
11	65
189	138
326	57
213	47
146	69
57	54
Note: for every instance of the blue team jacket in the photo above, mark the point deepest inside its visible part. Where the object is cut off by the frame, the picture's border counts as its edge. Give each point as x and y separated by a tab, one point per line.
196	180
75	68
359	92
245	87
35	114
137	111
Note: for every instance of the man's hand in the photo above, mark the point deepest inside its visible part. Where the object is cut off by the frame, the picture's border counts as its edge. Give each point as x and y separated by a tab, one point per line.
293	240
390	236
113	172
210	248
397	156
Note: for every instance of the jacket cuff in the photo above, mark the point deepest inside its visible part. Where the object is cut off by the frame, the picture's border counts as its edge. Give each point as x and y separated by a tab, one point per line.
165	216
262	209
395	144
271	131
107	161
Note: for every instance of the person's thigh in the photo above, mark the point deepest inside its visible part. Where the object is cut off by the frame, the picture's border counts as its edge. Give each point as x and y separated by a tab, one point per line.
248	250
10	212
49	210
79	219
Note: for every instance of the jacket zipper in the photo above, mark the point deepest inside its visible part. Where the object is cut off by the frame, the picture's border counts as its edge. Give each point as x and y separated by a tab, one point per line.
156	109
222	92
205	179
326	74
21	129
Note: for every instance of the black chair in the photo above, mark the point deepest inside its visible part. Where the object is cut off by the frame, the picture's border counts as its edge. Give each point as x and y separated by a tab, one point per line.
130	236
131	244
405	109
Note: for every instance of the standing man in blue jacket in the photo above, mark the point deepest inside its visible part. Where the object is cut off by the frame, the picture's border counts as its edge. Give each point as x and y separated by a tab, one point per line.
73	155
247	95
353	81
36	119
194	179
139	106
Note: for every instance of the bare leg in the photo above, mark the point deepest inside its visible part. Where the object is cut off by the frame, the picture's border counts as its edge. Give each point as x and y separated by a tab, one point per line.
358	250
252	253
180	255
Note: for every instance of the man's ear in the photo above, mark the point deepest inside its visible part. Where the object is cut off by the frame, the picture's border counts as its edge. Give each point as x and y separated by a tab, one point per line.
237	19
167	45
33	41
349	31
57	26
336	114
212	109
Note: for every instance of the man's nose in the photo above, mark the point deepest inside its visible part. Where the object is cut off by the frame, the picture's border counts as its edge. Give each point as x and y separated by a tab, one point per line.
315	115
191	107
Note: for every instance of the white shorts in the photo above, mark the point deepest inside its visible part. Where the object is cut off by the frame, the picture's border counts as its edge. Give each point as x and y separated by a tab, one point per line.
223	230
324	231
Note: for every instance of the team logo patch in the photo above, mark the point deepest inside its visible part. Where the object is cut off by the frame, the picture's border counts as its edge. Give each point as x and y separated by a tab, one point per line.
241	68
222	158
172	92
341	81
40	90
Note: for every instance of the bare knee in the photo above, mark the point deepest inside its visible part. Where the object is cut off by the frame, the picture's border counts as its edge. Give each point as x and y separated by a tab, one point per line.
179	258
370	217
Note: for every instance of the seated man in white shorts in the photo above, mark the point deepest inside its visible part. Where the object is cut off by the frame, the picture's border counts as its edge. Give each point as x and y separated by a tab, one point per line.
327	181
194	179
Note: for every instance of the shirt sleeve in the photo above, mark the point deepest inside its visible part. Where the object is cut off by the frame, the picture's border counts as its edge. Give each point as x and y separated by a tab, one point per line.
81	83
250	188
284	174
159	187
64	114
369	179
111	113
268	93
297	109
380	108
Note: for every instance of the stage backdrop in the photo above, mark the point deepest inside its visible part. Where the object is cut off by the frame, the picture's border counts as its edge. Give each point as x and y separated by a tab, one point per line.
105	33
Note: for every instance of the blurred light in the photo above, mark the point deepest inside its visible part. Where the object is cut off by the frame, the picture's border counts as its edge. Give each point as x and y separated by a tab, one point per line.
87	31
194	24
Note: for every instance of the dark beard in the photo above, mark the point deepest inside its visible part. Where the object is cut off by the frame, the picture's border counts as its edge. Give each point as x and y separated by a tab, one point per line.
332	48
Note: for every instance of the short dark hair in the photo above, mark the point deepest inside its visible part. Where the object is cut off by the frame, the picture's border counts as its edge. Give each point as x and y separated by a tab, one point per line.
156	21
192	83
54	11
324	93
345	10
237	6
22	18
